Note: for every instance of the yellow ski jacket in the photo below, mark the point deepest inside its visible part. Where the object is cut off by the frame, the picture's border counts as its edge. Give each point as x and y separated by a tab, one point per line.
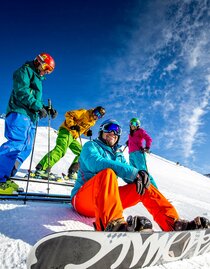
81	117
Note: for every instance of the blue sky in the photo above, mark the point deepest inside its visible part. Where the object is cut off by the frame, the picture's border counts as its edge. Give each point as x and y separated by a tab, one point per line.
148	59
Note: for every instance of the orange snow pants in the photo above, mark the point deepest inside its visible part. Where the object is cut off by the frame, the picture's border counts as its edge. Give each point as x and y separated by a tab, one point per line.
102	198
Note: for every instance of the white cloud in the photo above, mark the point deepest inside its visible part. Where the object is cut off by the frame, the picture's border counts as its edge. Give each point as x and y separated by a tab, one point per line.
165	74
172	66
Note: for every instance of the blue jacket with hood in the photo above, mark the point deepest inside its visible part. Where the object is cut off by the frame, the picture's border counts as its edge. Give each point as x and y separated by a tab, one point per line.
97	156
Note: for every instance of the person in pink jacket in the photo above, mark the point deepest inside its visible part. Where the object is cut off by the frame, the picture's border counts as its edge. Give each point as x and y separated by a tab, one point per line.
139	142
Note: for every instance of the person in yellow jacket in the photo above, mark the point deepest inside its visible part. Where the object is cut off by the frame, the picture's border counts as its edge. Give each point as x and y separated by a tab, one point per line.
77	122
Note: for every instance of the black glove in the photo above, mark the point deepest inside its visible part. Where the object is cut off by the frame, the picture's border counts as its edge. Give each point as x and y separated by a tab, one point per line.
126	143
142	182
142	149
53	113
138	223
89	133
42	113
76	128
146	149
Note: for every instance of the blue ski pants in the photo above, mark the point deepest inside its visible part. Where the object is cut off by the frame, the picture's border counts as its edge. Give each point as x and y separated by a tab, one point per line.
138	160
20	132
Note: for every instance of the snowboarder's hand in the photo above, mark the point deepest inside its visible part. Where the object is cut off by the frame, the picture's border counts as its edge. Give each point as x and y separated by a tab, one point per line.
42	113
142	182
89	133
76	128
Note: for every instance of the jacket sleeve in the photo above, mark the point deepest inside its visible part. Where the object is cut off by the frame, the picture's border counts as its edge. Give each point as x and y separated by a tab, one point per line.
147	138
92	156
23	91
72	117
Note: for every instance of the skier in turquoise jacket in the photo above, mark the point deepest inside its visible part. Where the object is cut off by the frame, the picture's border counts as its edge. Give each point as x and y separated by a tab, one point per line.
24	108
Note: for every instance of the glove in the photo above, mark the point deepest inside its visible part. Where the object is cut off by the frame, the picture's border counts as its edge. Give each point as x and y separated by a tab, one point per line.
89	133
138	223
76	128
53	113
142	182
126	143
146	149
42	113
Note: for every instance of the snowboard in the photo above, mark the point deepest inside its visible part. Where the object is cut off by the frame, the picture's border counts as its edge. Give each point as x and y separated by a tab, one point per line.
122	250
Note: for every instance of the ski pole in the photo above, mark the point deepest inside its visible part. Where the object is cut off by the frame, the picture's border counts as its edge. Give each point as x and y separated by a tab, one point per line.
48	159
124	148
29	170
145	162
80	138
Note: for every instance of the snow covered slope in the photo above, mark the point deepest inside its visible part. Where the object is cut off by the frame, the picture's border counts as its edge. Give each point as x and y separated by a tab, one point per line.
22	225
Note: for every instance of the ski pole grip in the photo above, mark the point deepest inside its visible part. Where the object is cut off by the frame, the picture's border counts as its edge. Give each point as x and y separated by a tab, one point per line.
49	104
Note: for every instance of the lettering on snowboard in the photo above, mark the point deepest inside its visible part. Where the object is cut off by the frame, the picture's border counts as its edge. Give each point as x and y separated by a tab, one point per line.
83	249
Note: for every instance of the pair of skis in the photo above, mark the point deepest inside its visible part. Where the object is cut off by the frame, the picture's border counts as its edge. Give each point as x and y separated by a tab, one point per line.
34	196
20	195
69	183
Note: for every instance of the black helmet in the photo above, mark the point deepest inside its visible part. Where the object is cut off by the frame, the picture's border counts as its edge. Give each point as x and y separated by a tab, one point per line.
99	111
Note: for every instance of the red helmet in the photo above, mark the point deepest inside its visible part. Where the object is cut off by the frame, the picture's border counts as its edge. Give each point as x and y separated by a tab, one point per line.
47	62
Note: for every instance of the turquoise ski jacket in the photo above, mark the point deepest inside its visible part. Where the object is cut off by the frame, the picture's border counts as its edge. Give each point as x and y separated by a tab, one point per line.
97	156
26	96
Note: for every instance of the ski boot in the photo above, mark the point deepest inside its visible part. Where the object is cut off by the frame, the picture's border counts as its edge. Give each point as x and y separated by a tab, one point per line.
11	183
72	176
72	171
5	189
43	174
197	223
9	187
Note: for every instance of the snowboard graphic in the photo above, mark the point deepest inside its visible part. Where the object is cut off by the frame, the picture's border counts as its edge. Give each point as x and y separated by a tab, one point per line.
92	249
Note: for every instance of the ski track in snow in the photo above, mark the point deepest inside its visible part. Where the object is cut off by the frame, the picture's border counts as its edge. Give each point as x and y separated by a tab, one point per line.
21	226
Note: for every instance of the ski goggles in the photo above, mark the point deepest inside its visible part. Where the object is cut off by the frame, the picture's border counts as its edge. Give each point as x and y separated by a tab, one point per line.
46	68
98	114
134	123
112	127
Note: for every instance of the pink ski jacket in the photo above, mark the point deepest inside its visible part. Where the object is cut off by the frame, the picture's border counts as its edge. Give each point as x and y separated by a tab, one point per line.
136	142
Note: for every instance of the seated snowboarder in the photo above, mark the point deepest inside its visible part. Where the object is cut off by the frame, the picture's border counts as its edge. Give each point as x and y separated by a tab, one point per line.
96	192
